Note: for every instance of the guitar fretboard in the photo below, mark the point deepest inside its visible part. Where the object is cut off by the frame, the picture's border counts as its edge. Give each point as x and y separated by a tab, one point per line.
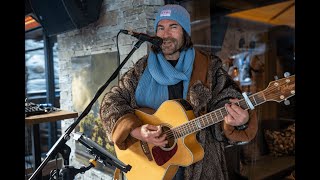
213	117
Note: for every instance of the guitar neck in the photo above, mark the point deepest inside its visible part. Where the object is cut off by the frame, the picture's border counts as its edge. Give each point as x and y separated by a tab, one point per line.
214	117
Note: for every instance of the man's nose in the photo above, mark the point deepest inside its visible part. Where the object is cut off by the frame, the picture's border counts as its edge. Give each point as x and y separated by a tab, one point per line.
166	33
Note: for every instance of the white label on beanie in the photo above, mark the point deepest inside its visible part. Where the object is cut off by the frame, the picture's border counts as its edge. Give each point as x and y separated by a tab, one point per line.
165	13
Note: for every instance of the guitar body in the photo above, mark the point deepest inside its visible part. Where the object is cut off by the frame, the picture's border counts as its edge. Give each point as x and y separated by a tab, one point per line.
178	122
162	163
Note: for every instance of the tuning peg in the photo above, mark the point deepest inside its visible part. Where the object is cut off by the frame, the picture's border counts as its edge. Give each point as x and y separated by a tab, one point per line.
286	74
286	102
275	77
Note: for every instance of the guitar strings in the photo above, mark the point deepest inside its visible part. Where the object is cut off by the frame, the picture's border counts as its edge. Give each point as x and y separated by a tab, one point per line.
199	122
184	129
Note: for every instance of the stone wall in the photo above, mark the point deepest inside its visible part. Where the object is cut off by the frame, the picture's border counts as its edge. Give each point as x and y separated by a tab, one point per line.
100	37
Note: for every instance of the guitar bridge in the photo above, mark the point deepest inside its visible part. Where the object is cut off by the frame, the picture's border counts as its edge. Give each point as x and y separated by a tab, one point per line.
145	149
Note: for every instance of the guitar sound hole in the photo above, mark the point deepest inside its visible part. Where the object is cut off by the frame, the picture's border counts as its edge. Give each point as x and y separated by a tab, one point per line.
170	138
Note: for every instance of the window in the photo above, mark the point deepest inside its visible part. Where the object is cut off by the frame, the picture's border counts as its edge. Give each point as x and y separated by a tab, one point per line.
37	74
41	86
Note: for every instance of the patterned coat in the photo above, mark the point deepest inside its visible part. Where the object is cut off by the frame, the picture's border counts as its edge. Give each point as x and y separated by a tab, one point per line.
210	88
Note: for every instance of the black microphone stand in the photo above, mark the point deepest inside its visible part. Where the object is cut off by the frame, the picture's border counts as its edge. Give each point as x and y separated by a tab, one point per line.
60	145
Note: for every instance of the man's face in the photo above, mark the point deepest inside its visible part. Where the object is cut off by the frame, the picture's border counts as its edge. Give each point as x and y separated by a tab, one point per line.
172	34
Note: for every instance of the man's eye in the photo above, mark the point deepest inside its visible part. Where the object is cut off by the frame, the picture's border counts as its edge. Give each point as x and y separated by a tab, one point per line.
174	26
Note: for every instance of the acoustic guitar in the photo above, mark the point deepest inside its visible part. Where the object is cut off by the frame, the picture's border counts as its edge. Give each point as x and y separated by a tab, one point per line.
178	121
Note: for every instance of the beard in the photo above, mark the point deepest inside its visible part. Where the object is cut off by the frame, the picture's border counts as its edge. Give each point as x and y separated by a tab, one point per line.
170	46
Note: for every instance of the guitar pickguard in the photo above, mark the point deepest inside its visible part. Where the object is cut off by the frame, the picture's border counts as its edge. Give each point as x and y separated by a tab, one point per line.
161	156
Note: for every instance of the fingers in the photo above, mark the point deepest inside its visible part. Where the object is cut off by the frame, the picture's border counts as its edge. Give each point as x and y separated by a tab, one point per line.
152	127
234	106
236	115
153	131
234	110
160	141
230	120
153	134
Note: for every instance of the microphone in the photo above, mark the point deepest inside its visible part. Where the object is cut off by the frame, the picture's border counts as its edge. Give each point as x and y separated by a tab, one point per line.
155	40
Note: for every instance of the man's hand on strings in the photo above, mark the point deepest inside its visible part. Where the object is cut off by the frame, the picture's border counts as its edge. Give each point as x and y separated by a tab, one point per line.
151	134
236	115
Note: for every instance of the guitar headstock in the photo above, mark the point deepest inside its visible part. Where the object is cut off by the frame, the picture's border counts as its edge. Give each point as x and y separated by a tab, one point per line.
281	89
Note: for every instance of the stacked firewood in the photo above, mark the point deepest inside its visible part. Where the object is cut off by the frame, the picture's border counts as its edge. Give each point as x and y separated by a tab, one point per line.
281	143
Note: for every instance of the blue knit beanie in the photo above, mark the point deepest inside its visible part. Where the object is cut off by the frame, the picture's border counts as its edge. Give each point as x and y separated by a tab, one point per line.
174	12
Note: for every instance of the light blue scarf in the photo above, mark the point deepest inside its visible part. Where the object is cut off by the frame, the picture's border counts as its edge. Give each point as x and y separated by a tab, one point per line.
152	89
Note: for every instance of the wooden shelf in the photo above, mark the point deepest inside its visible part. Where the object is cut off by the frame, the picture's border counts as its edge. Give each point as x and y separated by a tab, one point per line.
35	121
50	117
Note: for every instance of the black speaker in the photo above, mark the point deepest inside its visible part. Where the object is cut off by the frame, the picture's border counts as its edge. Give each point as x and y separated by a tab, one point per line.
59	16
